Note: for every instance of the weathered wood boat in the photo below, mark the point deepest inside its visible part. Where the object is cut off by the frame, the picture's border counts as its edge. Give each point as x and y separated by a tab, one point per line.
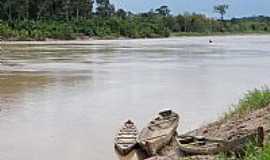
158	132
125	140
192	145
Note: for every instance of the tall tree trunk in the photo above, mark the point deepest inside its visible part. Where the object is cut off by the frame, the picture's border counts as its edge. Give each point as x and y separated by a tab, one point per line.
9	12
77	13
41	9
67	8
27	9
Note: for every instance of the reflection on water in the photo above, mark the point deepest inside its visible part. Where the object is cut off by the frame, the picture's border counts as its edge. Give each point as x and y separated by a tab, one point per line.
14	85
67	101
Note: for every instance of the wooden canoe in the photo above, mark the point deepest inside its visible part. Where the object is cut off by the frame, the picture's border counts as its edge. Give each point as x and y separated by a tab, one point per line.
192	145
125	140
158	132
200	146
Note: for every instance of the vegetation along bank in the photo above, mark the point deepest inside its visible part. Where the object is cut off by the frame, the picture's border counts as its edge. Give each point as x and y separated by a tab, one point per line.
81	19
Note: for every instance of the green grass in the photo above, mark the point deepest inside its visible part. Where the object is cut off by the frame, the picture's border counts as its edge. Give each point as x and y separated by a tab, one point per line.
252	153
252	100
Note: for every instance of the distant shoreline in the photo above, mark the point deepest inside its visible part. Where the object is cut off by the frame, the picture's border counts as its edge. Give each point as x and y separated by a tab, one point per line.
108	41
195	34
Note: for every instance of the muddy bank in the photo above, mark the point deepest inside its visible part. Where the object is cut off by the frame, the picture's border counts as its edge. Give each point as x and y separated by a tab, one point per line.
226	128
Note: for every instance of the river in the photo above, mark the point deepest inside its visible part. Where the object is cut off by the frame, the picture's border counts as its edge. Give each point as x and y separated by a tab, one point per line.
67	101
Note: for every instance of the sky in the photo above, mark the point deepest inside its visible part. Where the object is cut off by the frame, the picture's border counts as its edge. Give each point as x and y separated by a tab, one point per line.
238	8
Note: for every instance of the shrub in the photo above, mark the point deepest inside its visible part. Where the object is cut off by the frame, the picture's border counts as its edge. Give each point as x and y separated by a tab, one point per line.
252	153
252	100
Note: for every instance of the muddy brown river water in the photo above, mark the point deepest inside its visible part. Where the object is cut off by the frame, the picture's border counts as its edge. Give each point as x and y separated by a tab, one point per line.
66	101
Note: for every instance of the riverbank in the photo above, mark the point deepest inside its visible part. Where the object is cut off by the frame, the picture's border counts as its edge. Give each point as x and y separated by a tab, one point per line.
112	41
226	129
252	111
196	34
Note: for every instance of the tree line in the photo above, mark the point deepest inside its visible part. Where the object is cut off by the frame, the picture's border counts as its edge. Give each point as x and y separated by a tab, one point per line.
70	19
53	9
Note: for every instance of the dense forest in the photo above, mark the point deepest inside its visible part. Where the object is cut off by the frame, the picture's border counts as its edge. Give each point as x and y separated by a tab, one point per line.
71	19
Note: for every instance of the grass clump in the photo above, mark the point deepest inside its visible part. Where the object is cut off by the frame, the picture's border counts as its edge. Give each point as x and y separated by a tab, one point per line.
252	100
252	153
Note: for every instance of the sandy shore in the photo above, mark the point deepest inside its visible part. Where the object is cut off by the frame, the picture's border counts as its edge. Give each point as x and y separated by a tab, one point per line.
58	42
96	41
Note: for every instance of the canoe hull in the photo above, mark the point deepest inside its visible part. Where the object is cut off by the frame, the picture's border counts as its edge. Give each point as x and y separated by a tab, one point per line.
159	132
125	140
124	151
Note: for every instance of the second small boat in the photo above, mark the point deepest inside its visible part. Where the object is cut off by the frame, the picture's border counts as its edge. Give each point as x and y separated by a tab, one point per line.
158	132
125	140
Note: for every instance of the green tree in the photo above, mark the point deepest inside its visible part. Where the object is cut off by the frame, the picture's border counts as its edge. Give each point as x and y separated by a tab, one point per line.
22	9
7	9
163	10
104	8
221	9
82	8
187	22
121	13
